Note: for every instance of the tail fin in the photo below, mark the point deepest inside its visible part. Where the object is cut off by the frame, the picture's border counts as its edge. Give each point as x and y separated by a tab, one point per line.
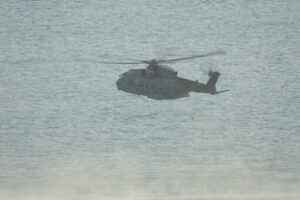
211	83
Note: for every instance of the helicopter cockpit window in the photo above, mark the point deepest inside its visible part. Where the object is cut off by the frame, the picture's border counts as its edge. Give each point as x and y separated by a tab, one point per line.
122	75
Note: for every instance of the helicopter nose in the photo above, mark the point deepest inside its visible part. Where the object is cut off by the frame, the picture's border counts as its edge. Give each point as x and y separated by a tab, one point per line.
119	83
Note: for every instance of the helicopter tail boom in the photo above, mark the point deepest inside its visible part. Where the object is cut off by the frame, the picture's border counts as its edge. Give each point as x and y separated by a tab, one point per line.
211	83
209	87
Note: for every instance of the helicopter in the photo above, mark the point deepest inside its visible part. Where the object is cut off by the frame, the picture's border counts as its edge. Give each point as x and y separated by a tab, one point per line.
159	82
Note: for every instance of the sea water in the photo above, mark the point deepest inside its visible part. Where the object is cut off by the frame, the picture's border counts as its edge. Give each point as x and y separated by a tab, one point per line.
66	132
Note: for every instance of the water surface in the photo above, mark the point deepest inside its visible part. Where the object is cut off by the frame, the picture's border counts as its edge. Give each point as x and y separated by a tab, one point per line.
66	132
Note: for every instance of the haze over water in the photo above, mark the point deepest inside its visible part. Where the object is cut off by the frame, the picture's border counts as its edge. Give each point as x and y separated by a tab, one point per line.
66	132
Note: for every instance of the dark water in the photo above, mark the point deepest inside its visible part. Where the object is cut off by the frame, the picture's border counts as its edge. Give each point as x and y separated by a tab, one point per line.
67	133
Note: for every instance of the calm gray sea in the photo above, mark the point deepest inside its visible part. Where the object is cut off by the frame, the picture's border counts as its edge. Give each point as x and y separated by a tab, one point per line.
67	133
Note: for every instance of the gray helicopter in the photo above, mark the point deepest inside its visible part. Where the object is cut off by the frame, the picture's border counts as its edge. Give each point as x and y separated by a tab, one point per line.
159	82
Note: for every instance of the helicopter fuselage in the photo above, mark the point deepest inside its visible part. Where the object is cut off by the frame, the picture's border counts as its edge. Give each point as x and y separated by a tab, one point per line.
162	83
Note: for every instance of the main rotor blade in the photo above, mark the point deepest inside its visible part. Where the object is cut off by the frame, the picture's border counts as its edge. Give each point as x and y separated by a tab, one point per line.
131	59
125	63
218	52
